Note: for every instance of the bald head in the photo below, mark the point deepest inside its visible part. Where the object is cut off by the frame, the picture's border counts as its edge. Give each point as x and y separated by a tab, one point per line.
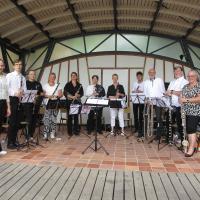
152	73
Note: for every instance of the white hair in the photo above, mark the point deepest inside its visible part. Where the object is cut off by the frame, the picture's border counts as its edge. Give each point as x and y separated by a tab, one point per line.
195	73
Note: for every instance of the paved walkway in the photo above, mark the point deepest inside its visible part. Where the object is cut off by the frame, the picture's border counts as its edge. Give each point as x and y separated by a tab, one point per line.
124	154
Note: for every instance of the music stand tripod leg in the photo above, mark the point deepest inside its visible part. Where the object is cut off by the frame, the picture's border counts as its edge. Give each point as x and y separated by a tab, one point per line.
95	141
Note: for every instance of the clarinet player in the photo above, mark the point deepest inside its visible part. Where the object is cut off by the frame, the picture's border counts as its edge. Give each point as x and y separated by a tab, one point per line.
16	86
73	91
190	101
95	90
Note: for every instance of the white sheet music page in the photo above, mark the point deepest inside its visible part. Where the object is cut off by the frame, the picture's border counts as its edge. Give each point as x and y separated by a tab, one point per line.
29	96
137	98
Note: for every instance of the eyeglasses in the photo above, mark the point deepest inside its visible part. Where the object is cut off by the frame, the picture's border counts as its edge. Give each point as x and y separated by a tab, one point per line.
191	76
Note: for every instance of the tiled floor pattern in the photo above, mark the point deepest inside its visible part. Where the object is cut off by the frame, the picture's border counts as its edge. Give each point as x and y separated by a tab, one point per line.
125	154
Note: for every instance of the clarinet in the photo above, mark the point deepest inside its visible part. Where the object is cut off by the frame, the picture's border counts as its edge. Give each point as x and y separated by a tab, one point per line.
170	121
185	141
98	89
77	93
35	101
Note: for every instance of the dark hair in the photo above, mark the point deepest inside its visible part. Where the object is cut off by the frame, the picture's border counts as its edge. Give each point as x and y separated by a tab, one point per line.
74	73
95	76
139	73
178	67
16	61
31	71
115	75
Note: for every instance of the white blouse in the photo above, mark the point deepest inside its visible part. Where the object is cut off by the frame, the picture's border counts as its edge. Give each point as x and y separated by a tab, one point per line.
3	88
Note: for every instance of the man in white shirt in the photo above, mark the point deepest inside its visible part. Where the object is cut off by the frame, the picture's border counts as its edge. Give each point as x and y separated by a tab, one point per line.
154	88
138	105
16	86
4	100
174	91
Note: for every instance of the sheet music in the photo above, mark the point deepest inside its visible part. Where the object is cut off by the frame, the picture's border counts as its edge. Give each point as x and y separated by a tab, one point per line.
137	98
29	96
161	102
96	101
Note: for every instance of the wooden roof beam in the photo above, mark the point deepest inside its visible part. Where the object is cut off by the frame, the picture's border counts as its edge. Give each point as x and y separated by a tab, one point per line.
23	10
159	6
75	16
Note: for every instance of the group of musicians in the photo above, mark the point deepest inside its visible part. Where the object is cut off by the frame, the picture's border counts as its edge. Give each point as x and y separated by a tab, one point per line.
183	94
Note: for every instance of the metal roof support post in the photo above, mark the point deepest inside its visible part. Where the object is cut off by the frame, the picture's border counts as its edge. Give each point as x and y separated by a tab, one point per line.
186	52
47	58
5	59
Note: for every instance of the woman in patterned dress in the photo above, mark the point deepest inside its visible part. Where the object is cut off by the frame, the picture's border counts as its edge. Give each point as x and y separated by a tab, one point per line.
190	100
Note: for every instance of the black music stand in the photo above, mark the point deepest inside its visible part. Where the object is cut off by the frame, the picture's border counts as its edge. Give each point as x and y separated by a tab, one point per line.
163	103
28	97
137	98
76	109
96	103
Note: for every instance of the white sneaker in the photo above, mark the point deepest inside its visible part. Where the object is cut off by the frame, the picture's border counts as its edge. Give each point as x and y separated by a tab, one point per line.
122	133
111	133
3	153
52	136
45	136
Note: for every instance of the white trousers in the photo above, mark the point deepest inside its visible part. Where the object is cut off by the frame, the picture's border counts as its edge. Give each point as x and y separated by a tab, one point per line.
114	112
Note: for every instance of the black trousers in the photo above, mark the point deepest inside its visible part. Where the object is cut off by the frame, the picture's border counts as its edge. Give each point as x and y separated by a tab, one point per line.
138	117
91	122
160	130
3	108
72	123
30	116
14	120
176	116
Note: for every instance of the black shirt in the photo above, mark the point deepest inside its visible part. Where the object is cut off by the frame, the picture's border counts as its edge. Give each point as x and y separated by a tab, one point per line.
100	90
69	89
34	85
112	91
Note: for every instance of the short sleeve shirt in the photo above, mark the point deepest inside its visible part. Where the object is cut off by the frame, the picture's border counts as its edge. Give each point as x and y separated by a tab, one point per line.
191	108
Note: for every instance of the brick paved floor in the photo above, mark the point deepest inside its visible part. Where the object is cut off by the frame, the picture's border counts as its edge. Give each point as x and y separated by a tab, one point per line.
126	154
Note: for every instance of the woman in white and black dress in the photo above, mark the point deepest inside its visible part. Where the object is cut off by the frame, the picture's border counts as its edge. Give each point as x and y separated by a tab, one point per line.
53	92
190	100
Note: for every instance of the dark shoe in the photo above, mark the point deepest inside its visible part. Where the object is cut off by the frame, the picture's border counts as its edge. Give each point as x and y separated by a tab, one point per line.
70	134
89	132
76	133
100	132
190	155
140	139
12	146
